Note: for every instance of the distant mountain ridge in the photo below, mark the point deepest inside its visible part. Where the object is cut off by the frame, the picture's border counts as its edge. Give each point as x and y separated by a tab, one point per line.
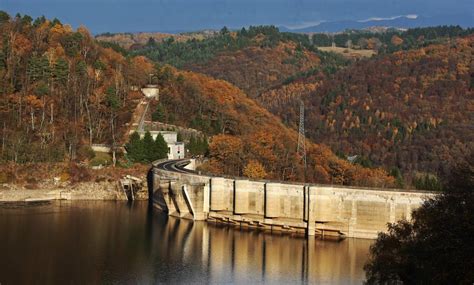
405	22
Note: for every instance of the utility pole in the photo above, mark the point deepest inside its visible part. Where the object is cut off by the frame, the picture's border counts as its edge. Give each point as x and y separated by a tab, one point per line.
301	151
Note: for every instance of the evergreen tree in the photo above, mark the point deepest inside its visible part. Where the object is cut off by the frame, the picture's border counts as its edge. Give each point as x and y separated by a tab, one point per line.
198	146
71	43
81	68
38	21
159	115
201	146
4	17
55	22
395	172
148	147
134	147
192	145
61	71
38	68
160	148
112	99
26	20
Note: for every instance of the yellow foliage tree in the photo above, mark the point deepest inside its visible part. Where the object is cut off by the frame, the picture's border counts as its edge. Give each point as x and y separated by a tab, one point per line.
255	169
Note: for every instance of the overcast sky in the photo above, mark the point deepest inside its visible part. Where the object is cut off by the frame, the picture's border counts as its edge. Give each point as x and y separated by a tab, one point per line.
187	15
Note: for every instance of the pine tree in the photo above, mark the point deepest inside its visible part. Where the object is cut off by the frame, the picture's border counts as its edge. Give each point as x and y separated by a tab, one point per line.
4	17
198	146
192	145
204	146
395	172
112	99
179	137
61	71
160	147
149	147
134	147
159	115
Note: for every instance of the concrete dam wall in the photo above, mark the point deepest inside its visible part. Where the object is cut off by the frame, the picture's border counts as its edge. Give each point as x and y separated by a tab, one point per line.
306	208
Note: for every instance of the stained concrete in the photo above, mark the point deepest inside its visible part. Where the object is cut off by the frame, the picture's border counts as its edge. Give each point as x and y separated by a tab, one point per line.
312	209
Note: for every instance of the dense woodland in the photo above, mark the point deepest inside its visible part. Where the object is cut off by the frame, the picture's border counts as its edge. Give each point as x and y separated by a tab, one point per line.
255	59
59	90
408	111
246	137
412	110
180	53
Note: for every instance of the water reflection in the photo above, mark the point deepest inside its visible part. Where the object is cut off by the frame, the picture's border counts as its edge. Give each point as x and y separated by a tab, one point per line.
109	242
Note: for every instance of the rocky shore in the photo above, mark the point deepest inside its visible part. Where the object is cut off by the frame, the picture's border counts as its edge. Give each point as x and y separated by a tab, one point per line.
104	190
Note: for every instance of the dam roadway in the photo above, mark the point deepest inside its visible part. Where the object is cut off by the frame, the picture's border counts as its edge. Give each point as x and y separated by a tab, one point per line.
311	209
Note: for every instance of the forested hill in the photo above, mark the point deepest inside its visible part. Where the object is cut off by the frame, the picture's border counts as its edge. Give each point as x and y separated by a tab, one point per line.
411	110
181	53
60	91
247	139
254	59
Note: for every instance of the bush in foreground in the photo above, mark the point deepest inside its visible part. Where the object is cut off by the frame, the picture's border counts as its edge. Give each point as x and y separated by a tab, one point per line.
437	246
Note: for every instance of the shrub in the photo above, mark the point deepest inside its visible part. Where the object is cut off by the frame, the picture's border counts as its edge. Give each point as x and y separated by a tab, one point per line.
101	158
85	152
64	177
79	173
3	178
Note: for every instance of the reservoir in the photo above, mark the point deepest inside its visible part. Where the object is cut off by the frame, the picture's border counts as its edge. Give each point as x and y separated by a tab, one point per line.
130	243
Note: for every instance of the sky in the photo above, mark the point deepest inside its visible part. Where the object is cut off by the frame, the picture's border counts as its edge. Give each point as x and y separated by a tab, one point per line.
191	15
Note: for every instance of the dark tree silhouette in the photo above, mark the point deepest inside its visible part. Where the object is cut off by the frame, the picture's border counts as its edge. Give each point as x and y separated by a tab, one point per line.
437	247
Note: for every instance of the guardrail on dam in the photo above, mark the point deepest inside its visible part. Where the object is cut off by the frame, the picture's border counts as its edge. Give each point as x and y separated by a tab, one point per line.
309	208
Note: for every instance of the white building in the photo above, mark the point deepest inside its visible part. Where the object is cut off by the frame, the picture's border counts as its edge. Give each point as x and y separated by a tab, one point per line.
176	149
151	91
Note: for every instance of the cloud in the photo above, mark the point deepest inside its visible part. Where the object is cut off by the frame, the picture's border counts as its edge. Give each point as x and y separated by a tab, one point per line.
409	16
304	25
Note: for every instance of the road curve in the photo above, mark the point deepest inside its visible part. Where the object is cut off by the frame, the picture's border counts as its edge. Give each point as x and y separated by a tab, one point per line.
174	165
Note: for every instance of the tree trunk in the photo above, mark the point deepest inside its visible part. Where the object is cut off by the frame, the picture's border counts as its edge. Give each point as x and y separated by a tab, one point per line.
114	159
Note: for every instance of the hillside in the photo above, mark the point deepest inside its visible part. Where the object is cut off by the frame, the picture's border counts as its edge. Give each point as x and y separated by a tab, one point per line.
254	59
256	69
284	100
411	110
261	58
243	134
61	91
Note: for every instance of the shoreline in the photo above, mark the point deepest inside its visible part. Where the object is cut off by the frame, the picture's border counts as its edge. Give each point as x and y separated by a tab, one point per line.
84	191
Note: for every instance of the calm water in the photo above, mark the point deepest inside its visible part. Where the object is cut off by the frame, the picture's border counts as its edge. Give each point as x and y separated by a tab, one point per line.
119	243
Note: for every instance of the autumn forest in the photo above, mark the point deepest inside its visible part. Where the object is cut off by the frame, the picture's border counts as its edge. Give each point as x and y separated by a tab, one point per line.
400	118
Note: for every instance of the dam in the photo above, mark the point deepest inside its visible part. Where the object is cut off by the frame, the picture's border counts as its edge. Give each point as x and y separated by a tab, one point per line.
309	209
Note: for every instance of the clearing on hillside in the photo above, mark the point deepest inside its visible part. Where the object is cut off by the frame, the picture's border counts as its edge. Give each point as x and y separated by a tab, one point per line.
348	52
